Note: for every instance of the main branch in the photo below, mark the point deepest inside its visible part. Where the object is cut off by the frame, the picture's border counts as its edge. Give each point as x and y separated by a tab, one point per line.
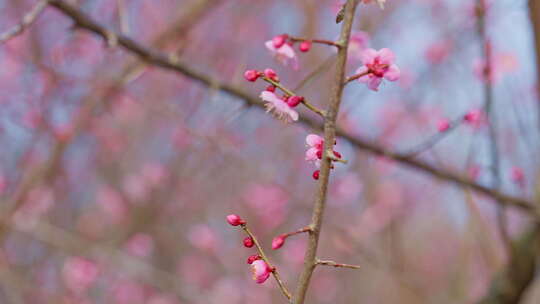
310	259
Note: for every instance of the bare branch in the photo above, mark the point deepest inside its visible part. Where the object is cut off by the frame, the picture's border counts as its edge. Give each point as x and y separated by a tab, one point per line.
26	22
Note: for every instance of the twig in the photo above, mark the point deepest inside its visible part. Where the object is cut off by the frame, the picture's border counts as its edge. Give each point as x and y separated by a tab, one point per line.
354	77
281	285
334	264
491	120
26	21
324	66
319	41
310	259
434	139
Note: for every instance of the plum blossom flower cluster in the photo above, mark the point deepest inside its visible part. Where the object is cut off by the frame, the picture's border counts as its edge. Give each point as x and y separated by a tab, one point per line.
282	107
259	264
314	153
282	103
259	267
282	48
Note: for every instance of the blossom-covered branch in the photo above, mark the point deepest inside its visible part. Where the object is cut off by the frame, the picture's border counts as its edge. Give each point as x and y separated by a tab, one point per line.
157	59
261	266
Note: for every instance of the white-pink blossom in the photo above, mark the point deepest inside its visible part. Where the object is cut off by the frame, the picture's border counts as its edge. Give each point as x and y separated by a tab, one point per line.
278	107
315	144
261	271
285	54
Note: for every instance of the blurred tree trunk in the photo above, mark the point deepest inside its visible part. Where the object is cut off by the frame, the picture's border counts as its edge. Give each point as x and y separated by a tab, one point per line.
534	15
509	285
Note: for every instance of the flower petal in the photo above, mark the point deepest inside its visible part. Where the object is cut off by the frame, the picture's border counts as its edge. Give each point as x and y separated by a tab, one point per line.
393	73
368	56
386	56
373	83
311	154
314	140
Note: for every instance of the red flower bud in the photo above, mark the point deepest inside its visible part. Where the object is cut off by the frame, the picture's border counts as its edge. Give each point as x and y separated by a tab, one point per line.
235	220
251	75
253	258
294	101
248	242
305	46
278	241
316	175
271	74
279	40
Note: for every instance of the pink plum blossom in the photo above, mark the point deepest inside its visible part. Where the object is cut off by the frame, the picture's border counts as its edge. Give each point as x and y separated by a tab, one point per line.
501	64
518	176
475	118
141	245
79	273
359	41
443	125
285	54
376	66
261	271
315	144
437	52
278	107
201	236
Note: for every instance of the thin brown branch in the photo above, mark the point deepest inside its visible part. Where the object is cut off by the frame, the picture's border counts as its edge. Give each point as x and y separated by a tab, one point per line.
26	21
318	41
356	76
281	285
310	259
161	60
434	139
337	265
491	117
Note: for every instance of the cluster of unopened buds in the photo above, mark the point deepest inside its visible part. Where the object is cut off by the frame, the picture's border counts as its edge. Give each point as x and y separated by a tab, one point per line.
260	267
315	144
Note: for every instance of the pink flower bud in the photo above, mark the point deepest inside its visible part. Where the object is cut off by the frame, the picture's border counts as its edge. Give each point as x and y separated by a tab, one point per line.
271	88
337	154
316	175
517	175
278	241
474	117
305	46
251	75
443	125
294	101
279	40
271	74
248	242
253	258
260	270
235	220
